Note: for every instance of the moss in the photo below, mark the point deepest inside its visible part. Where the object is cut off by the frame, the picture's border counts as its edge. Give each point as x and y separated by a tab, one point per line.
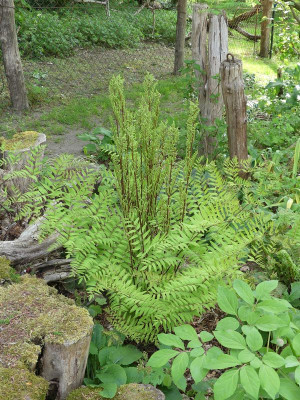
131	391
20	384
33	313
20	141
6	272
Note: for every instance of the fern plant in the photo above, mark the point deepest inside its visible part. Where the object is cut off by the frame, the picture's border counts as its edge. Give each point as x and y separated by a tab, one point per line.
161	233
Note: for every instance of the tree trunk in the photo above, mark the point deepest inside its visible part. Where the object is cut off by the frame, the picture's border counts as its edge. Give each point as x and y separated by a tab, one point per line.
265	28
209	49
235	103
180	36
11	56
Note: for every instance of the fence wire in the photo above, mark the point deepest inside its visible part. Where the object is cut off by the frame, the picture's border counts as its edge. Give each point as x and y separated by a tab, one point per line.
71	49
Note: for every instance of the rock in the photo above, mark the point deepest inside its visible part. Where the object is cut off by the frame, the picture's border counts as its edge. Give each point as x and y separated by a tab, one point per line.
132	391
44	331
20	384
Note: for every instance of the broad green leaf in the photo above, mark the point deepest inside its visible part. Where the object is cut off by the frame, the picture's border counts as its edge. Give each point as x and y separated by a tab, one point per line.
194	343
206	336
256	363
273	360
161	357
197	352
227	300
230	339
244	312
170	340
198	370
167	381
269	323
125	355
297	375
178	369
291	361
272	306
133	375
226	385
254	339
112	373
296	344
269	380
289	390
250	381
186	332
244	291
253	317
98	336
246	356
221	362
213	353
93	349
264	289
227	323
109	390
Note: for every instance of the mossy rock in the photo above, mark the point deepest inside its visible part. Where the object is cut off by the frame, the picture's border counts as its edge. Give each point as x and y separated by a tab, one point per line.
132	391
22	140
20	384
32	314
7	273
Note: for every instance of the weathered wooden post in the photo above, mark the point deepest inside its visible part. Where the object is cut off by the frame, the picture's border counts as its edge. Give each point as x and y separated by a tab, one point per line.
11	56
209	49
235	103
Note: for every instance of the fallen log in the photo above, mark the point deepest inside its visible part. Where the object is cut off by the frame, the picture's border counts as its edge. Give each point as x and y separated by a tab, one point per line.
27	248
54	270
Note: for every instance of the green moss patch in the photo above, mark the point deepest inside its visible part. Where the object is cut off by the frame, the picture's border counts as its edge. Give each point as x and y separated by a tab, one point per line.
19	384
131	391
32	313
20	141
7	274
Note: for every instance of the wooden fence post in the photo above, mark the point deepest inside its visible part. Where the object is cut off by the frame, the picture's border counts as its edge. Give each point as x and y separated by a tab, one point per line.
209	49
231	72
11	56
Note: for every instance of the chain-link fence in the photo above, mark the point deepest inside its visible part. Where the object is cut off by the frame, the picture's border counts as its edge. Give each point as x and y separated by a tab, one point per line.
71	49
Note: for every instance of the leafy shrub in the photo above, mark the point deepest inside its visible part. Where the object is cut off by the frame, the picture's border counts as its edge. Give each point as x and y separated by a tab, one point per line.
58	33
169	231
111	363
261	338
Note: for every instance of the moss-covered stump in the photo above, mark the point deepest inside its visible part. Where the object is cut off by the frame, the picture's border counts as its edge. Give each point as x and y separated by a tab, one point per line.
7	274
38	324
20	384
132	391
20	147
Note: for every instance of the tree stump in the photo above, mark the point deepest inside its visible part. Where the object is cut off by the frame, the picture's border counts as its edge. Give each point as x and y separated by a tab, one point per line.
132	391
20	158
11	56
235	103
209	49
44	333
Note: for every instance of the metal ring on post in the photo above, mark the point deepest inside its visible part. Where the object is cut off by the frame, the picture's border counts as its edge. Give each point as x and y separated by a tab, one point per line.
232	57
